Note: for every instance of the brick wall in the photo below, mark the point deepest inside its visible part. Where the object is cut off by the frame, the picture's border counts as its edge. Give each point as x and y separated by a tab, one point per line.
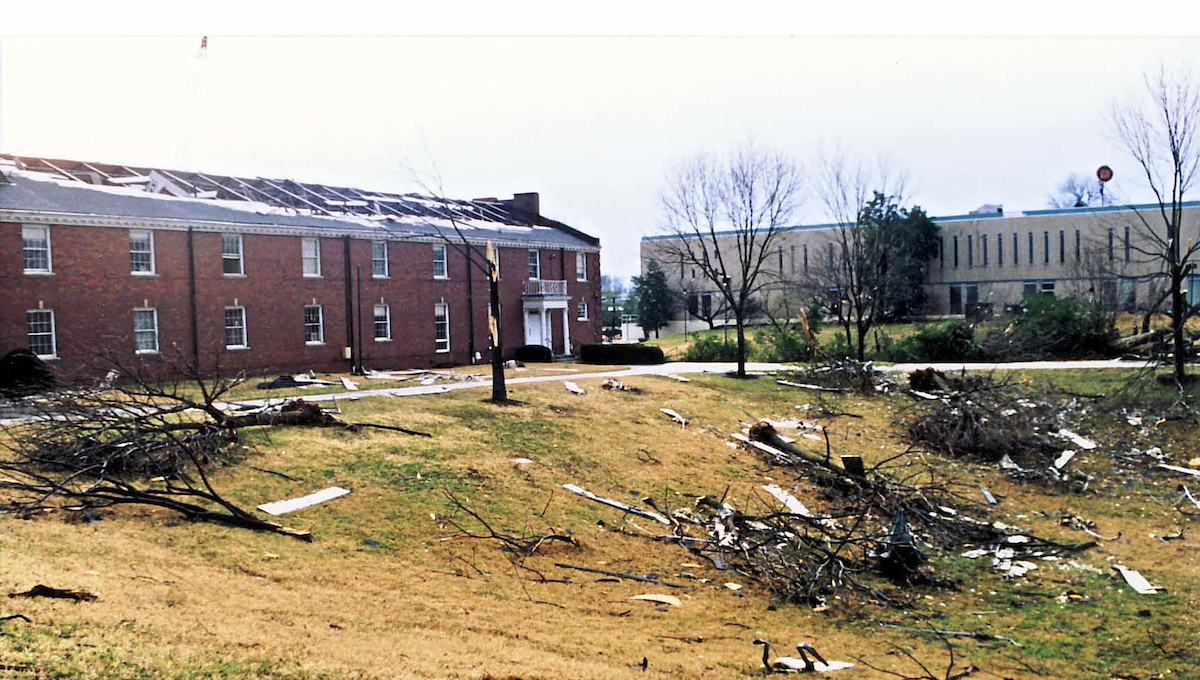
93	293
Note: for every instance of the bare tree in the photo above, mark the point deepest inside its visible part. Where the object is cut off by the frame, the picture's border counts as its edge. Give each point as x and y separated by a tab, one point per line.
1158	130
1079	191
482	259
851	273
725	213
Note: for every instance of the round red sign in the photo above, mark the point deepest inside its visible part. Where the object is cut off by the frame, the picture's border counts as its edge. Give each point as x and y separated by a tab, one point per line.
1104	173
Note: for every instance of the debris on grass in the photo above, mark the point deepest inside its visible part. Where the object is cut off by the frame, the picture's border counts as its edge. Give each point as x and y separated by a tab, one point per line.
659	599
580	491
674	416
349	384
573	388
57	593
291	505
618	386
1136	581
647	578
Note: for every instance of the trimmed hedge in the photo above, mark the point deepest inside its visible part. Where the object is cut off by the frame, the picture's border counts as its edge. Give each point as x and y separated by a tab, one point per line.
621	354
534	354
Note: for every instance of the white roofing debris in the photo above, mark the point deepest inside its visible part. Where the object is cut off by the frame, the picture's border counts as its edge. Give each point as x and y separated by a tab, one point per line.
1082	442
293	504
789	501
1136	580
1063	459
573	388
674	416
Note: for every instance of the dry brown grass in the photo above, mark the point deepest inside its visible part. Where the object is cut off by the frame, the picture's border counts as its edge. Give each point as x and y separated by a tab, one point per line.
199	601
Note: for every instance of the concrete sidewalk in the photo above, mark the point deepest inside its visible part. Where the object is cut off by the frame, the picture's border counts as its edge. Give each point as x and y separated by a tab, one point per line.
685	368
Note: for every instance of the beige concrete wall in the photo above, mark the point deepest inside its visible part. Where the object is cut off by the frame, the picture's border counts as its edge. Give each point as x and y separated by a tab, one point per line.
999	281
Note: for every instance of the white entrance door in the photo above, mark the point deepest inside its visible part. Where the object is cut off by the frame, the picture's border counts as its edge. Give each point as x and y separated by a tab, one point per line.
535	328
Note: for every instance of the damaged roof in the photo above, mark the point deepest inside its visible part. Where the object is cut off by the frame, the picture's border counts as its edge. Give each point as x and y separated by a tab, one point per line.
75	188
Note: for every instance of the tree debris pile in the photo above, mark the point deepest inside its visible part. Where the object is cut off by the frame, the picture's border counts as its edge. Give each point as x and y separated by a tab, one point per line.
982	419
143	442
842	375
877	526
22	373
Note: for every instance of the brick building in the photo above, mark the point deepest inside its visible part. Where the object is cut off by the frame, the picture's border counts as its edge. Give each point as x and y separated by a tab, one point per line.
266	275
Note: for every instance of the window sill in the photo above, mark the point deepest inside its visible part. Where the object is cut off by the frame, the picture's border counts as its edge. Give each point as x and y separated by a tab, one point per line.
383	339
38	272
145	352
441	278
237	348
48	357
235	276
378	277
313	276
146	275
311	343
442	351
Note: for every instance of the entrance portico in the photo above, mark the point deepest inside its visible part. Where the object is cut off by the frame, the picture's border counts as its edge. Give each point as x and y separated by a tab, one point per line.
539	301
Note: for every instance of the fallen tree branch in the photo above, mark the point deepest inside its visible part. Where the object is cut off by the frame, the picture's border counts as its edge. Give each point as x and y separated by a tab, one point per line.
627	577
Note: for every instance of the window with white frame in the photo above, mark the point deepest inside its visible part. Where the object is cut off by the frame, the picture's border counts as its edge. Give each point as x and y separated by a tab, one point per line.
314	325
581	266
235	328
232	263
141	252
581	312
40	323
145	330
441	327
310	254
379	261
535	264
36	252
440	270
383	323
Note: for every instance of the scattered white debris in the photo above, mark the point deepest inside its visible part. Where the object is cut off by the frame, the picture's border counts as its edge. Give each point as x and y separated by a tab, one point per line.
680	378
1006	463
521	461
733	586
987	495
1063	459
810	435
675	416
350	384
1176	468
1136	580
661	599
573	388
1009	412
1082	442
290	505
793	504
1135	421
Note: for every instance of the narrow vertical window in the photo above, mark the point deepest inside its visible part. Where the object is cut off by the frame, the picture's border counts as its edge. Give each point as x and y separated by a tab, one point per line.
1110	245
441	269
805	257
141	252
441	326
955	251
581	312
1062	246
999	250
581	266
1031	247
383	323
36	251
232	262
145	331
1045	247
1127	246
314	325
379	259
310	249
792	258
942	252
235	328
970	250
1078	250
40	327
1016	250
535	264
780	252
983	241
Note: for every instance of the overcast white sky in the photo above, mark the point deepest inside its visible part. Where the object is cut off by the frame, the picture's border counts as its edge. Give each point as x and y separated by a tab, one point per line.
591	123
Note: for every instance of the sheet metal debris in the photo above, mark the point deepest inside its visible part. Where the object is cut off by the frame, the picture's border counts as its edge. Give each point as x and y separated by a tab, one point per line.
1136	580
659	598
573	388
675	416
293	504
1082	442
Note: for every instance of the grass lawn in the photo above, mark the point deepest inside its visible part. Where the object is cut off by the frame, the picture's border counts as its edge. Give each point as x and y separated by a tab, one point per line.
390	590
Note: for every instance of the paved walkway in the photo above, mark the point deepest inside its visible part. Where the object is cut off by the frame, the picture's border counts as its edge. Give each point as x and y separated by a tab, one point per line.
684	368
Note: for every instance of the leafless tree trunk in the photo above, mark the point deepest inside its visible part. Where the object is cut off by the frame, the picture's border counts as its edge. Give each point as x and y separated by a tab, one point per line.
845	277
1158	130
725	213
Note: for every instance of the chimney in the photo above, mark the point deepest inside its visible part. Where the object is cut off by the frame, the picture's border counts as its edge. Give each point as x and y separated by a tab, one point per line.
527	203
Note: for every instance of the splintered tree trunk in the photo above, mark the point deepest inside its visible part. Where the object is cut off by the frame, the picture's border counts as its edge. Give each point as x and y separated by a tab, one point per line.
862	342
499	389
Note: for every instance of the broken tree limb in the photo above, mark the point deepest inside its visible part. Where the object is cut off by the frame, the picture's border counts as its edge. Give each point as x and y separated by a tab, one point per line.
1183	470
627	577
580	491
56	593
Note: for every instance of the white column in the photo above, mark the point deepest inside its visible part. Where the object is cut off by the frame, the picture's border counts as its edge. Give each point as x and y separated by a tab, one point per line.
547	337
566	330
